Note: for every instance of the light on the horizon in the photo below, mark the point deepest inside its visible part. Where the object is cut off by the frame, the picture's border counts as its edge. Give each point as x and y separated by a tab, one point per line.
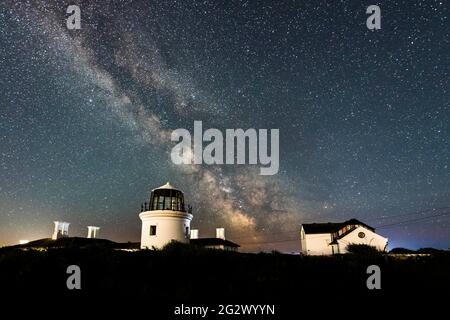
23	241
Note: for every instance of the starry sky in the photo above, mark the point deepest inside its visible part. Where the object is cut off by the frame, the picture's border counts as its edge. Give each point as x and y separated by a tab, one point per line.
364	116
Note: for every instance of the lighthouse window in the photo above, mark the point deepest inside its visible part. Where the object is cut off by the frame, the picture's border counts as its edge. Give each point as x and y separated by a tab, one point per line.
153	230
174	203
160	203
167	200
167	203
154	202
178	204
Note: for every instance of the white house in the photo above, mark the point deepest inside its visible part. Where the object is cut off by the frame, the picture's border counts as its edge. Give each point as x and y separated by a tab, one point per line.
333	238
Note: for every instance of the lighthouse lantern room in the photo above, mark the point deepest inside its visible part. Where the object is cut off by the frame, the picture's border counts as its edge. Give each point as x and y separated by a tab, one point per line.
164	218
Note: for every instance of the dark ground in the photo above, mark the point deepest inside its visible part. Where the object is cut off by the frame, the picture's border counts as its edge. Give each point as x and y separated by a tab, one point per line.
191	275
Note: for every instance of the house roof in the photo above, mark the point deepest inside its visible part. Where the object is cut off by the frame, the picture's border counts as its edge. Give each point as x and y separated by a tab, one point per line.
214	242
335	240
331	227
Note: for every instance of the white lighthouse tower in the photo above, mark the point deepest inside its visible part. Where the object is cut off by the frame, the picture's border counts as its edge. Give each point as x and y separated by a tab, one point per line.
164	218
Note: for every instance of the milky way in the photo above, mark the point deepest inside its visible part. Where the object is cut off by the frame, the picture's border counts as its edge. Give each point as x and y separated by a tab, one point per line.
86	115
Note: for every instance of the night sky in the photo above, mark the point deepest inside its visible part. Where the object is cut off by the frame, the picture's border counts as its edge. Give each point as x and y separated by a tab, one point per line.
364	116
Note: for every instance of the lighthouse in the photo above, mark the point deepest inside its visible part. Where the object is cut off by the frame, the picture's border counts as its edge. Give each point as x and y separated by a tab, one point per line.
164	218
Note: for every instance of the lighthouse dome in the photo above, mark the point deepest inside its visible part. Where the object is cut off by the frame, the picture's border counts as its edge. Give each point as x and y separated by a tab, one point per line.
167	197
166	186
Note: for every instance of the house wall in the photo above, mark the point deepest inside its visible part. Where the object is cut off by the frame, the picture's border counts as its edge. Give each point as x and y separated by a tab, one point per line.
370	238
317	244
222	247
217	247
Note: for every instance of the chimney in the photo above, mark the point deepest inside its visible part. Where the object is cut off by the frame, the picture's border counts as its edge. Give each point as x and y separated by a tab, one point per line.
65	230
61	230
194	233
220	233
93	232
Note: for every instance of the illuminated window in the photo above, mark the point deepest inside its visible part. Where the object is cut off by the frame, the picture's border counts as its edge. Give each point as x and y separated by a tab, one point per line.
160	203
167	203
174	204
167	200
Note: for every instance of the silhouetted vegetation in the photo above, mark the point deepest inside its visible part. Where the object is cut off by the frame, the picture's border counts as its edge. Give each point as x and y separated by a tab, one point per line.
69	242
401	251
186	273
363	249
428	251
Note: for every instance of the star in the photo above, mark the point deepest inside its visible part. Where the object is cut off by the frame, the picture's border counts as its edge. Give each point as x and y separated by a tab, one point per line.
87	114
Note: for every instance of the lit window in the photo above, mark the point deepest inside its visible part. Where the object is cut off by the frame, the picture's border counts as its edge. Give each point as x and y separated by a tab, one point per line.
167	203
160	203
174	204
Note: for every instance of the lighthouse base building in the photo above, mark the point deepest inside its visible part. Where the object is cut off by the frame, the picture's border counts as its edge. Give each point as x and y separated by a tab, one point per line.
164	218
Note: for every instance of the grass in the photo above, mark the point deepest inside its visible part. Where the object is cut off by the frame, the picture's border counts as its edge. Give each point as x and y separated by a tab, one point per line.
183	273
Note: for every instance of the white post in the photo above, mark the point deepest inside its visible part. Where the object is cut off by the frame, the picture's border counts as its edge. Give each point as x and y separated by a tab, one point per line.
194	233
66	229
61	230
220	233
93	231
56	230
